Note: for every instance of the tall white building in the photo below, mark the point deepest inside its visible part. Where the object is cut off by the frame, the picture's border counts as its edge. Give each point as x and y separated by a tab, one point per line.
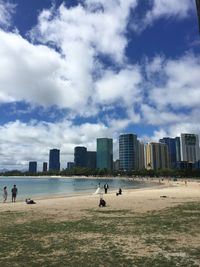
189	144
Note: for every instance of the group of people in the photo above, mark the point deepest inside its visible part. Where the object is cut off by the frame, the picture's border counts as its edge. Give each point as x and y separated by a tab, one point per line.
102	202
14	192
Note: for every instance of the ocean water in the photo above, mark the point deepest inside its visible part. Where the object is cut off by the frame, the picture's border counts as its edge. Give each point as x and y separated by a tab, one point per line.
33	187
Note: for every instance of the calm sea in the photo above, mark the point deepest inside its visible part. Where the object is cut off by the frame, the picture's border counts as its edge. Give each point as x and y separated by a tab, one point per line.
33	187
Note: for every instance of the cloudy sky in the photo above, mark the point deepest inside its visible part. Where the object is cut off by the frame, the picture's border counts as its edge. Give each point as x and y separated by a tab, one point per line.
72	71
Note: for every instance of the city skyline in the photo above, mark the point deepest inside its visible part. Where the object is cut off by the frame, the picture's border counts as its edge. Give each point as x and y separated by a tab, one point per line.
73	71
133	154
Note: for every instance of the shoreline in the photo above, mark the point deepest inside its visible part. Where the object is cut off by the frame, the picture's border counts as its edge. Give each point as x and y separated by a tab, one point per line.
145	184
82	193
134	200
102	177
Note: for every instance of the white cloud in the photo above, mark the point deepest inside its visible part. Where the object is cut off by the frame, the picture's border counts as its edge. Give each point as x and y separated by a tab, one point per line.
70	75
154	66
22	142
154	116
173	95
6	11
38	75
179	83
164	9
86	34
121	86
179	9
88	29
74	75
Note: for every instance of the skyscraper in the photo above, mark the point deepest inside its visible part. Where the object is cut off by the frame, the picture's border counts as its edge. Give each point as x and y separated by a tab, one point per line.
157	156
91	159
141	156
70	165
116	165
54	160
171	144
189	147
147	157
44	166
128	146
80	156
33	166
178	149
105	153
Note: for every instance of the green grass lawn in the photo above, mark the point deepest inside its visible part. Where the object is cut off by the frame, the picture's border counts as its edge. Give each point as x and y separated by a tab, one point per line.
103	237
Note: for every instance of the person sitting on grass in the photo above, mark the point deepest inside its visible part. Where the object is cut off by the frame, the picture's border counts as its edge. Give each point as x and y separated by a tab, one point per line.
102	202
119	193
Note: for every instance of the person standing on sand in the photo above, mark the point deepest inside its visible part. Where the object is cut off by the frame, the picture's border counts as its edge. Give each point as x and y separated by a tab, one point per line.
5	194
106	188
14	193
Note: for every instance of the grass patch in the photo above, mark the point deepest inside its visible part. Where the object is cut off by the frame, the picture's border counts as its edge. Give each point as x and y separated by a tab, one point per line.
104	238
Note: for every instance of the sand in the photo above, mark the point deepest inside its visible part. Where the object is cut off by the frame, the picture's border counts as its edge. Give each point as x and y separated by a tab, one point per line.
135	200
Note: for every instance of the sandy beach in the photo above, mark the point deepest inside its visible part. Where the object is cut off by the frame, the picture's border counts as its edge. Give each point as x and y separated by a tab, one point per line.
167	194
142	227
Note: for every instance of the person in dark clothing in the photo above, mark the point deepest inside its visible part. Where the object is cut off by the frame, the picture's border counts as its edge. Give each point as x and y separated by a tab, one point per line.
106	188
30	201
102	202
14	193
119	193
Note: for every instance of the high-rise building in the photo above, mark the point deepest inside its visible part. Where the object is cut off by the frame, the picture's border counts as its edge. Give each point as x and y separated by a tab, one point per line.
141	155
178	149
44	167
80	156
33	166
171	144
128	147
147	157
105	153
70	165
91	159
157	156
189	147
54	160
116	165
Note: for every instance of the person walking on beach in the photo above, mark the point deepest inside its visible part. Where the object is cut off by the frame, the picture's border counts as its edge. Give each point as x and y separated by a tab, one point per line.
14	193
5	194
106	188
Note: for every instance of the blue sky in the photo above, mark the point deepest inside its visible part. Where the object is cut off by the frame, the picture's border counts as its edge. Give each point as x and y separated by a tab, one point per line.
72	71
